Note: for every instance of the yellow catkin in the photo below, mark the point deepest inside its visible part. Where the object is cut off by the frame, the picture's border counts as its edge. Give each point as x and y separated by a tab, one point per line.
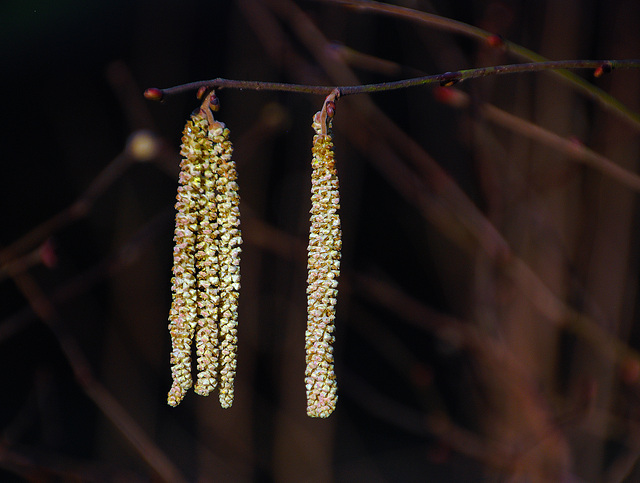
227	202
323	266
206	277
208	267
183	315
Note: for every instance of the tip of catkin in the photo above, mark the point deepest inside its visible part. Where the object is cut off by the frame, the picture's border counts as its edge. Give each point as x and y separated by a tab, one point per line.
175	396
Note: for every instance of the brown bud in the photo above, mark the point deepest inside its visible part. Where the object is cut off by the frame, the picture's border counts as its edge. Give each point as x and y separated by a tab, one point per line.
331	108
201	92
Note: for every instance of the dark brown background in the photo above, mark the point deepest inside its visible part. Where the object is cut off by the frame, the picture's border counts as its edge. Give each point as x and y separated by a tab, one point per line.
447	369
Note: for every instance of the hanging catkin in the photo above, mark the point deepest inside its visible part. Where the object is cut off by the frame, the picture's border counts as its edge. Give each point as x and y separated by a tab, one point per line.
206	259
323	265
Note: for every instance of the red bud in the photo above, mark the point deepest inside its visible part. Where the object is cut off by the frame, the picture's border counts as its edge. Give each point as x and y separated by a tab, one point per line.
495	41
153	94
602	69
452	97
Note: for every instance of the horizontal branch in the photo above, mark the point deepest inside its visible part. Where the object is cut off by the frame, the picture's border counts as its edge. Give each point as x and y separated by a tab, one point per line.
446	79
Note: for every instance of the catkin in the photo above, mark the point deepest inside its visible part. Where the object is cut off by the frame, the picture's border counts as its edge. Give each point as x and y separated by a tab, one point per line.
323	266
206	277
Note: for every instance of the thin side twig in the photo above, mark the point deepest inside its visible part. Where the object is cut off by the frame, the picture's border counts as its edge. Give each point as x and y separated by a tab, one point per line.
454	26
108	404
573	149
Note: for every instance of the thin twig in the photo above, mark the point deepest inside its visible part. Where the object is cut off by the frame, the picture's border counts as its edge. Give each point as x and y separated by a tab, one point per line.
43	307
454	26
81	207
127	253
573	149
77	210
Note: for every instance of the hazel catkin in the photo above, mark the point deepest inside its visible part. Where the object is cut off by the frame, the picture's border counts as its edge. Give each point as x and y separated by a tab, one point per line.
206	259
323	265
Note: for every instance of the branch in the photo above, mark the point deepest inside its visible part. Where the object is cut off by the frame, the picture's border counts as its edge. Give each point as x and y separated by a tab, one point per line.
571	148
112	409
446	79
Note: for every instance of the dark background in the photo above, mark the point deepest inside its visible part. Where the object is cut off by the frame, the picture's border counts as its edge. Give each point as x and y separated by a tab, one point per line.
452	364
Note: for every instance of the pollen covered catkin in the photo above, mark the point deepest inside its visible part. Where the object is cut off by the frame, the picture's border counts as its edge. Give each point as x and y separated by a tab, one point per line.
206	259
323	264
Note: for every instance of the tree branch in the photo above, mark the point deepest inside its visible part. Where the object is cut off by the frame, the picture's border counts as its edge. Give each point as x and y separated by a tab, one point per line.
445	79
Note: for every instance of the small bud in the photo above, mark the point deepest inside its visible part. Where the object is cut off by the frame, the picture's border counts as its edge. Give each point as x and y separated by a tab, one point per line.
214	103
495	41
201	92
331	108
605	68
451	97
48	254
153	94
449	79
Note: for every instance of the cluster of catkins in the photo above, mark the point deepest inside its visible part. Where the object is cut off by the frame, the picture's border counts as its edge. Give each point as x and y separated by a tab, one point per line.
206	262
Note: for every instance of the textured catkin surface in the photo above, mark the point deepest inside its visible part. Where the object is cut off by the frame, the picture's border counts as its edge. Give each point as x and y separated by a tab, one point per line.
206	276
323	266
